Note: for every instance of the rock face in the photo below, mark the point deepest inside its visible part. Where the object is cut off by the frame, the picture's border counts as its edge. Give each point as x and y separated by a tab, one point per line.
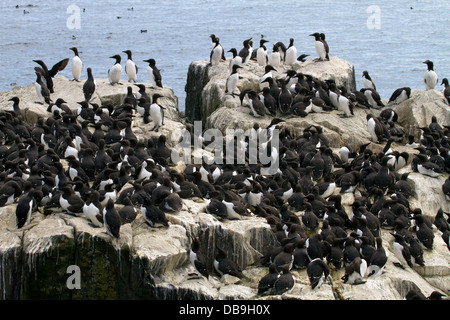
57	251
205	88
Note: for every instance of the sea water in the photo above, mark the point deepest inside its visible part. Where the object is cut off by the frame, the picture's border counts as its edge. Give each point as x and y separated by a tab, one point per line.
390	39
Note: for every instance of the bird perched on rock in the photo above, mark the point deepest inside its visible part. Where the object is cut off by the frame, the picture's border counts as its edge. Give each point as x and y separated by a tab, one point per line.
223	265
232	80
446	90
156	113
400	95
50	74
115	72
111	219
217	52
378	260
368	83
290	56
42	91
266	283
89	86
77	65
321	46
131	69
261	53
197	259
284	283
318	272
154	73
355	271
430	79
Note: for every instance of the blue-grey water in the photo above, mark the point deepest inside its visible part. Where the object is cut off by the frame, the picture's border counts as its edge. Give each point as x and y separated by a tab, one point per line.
390	39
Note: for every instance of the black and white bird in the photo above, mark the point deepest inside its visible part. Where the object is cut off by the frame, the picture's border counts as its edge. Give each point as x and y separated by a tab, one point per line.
131	69
368	82
197	259
232	80
355	271
274	58
400	95
77	65
224	265
217	52
115	72
236	59
431	78
446	90
318	272
111	219
154	73
373	97
378	260
93	209
50	74
266	283
246	52
89	86
321	46
156	112
42	91
284	283
261	53
290	56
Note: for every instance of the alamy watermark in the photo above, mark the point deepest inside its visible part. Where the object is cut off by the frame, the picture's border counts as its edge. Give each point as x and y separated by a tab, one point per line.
74	280
74	20
374	20
239	147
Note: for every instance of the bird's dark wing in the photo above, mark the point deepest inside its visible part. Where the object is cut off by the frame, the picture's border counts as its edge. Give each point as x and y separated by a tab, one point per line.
58	67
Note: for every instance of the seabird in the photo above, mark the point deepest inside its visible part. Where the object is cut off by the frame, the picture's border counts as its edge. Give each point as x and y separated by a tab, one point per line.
274	59
154	73
77	65
197	259
378	259
446	89
223	265
321	47
156	112
131	69
111	219
261	53
42	91
115	72
368	83
318	272
232	80
430	79
217	52
266	283
291	53
49	74
285	282
400	95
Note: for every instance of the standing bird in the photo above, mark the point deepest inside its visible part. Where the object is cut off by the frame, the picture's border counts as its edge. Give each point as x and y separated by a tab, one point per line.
266	284
115	72
285	97
274	58
291	53
446	89
49	74
41	90
368	83
232	80
236	59
284	283
156	112
25	207
378	259
261	53
355	271
111	219
246	51
154	73
224	265
321	47
256	105
430	77
197	259
77	65
217	52
131	68
318	271
89	86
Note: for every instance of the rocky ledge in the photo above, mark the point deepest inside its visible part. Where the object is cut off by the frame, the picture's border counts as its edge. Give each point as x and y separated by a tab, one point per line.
153	262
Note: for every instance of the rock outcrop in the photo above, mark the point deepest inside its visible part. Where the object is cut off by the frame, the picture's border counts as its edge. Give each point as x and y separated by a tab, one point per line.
153	263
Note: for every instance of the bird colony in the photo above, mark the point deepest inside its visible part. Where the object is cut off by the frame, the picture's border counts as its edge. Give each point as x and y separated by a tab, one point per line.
89	163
